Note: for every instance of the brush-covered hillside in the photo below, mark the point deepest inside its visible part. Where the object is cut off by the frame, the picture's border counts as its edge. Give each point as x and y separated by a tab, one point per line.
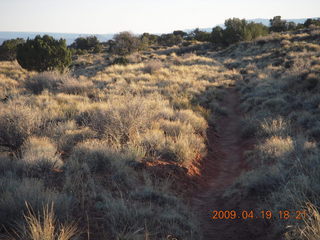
118	147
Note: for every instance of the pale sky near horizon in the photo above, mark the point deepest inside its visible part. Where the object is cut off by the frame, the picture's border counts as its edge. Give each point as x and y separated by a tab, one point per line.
156	16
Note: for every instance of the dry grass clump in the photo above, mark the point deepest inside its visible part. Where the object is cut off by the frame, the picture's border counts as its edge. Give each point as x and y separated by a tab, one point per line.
76	86
311	226
134	121
17	123
153	66
57	82
122	118
187	116
277	146
40	152
275	127
45	80
44	226
71	137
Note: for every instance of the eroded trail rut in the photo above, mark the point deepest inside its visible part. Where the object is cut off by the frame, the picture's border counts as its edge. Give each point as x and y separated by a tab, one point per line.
224	163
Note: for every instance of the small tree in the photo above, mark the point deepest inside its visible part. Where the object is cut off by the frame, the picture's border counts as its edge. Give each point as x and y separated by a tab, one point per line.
148	39
8	49
199	35
180	33
277	24
235	30
217	35
309	22
90	43
124	43
254	30
170	39
44	54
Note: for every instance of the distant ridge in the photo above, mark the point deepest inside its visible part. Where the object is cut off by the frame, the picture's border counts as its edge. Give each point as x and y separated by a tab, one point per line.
70	37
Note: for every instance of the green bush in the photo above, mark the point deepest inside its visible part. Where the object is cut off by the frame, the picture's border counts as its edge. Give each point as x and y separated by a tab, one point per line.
148	39
199	35
43	54
169	39
90	43
237	30
309	22
8	49
217	35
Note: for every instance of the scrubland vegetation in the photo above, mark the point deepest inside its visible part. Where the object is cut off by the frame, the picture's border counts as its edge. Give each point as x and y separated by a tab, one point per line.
280	98
102	150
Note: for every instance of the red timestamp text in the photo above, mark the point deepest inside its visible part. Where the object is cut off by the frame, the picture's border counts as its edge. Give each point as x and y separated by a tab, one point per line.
263	214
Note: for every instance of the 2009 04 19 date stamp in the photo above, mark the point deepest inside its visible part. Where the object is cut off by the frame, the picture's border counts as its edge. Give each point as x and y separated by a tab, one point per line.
252	215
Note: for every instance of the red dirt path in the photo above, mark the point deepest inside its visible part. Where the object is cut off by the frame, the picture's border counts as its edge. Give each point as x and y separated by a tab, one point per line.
223	164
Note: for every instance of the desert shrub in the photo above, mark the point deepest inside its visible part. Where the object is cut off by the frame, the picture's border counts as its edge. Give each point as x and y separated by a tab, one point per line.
79	183
121	61
275	104
42	81
8	49
17	123
70	138
175	128
198	123
51	81
255	30
148	39
277	24
237	30
234	31
16	192
90	43
249	127
169	39
274	127
40	154
124	43
11	167
217	35
153	141
199	35
312	22
96	154
311	82
44	54
72	85
152	66
122	118
183	149
150	213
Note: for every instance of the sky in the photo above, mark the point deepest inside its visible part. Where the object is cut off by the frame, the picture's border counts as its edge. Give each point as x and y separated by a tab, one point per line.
138	16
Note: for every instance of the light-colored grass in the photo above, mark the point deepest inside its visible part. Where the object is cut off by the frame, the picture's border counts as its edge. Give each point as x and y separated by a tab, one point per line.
44	227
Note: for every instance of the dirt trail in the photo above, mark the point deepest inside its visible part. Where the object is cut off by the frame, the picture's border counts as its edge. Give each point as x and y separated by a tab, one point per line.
224	163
